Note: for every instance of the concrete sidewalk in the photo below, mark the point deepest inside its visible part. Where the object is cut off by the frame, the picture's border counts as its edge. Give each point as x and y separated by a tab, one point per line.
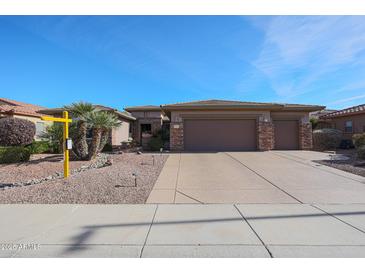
225	230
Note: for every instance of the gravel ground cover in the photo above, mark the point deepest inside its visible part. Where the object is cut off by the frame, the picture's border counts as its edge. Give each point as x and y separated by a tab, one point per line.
108	185
39	166
349	165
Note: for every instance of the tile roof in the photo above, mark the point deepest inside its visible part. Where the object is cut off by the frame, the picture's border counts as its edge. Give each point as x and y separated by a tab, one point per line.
345	112
239	104
143	108
122	114
8	106
216	102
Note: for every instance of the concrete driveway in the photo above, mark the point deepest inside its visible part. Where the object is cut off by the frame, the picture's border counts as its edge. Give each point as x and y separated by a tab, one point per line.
283	177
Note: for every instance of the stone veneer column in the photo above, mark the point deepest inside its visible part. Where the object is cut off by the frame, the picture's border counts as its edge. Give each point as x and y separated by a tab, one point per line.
265	133
305	136
176	136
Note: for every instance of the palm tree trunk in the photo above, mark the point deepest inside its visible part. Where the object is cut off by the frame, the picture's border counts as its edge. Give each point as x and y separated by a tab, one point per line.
95	143
81	147
104	139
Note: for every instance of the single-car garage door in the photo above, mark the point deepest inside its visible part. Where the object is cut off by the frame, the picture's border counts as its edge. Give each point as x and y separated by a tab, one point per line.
219	135
286	134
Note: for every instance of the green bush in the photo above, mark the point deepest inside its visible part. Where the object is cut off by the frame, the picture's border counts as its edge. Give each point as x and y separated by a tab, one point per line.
9	155
358	140
107	148
314	122
326	138
155	143
54	137
38	147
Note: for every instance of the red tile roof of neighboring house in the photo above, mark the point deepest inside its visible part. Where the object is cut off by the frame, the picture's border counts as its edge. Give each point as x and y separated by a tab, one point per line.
345	112
123	114
8	106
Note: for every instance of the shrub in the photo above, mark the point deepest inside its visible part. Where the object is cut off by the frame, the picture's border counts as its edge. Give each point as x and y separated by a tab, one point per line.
10	155
107	148
155	143
326	138
361	152
54	136
38	147
16	132
358	140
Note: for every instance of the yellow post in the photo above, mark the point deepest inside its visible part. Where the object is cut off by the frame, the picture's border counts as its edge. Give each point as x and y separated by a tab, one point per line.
66	155
65	121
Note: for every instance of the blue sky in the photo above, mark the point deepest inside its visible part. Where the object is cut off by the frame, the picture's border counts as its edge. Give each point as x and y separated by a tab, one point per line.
136	60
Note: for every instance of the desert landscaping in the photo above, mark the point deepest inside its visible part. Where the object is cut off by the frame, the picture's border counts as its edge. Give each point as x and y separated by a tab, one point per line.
111	183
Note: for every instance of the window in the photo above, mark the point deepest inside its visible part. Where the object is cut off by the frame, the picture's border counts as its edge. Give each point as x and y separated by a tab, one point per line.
348	126
39	128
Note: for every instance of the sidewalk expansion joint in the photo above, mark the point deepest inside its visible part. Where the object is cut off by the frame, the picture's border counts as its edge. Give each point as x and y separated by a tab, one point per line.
177	177
148	232
257	235
334	216
178	191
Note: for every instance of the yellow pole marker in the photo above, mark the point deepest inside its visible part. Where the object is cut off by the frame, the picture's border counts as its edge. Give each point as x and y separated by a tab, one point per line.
66	155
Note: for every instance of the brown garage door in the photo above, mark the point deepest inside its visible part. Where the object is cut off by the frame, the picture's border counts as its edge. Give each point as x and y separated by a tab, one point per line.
286	134
219	135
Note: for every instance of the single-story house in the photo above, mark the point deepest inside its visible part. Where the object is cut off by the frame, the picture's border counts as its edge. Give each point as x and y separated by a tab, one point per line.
149	121
117	135
25	111
221	125
350	120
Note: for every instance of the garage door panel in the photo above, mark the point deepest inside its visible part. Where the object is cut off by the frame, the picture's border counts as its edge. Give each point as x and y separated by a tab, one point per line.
219	135
286	134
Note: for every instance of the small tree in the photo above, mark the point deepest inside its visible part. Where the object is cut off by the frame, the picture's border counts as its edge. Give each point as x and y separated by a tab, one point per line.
16	132
314	122
80	111
101	122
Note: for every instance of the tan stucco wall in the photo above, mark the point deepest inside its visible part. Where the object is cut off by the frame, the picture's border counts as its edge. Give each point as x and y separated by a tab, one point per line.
147	114
177	116
120	134
358	124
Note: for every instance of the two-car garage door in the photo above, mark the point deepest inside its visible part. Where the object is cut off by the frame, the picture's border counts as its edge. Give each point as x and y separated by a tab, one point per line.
220	134
235	134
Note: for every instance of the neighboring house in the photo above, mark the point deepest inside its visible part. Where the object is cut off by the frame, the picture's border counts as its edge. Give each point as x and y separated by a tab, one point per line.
24	111
349	121
149	120
221	125
319	124
317	114
117	135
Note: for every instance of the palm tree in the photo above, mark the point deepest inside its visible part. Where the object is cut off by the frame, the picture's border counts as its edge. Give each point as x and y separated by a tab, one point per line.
101	123
81	112
112	122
